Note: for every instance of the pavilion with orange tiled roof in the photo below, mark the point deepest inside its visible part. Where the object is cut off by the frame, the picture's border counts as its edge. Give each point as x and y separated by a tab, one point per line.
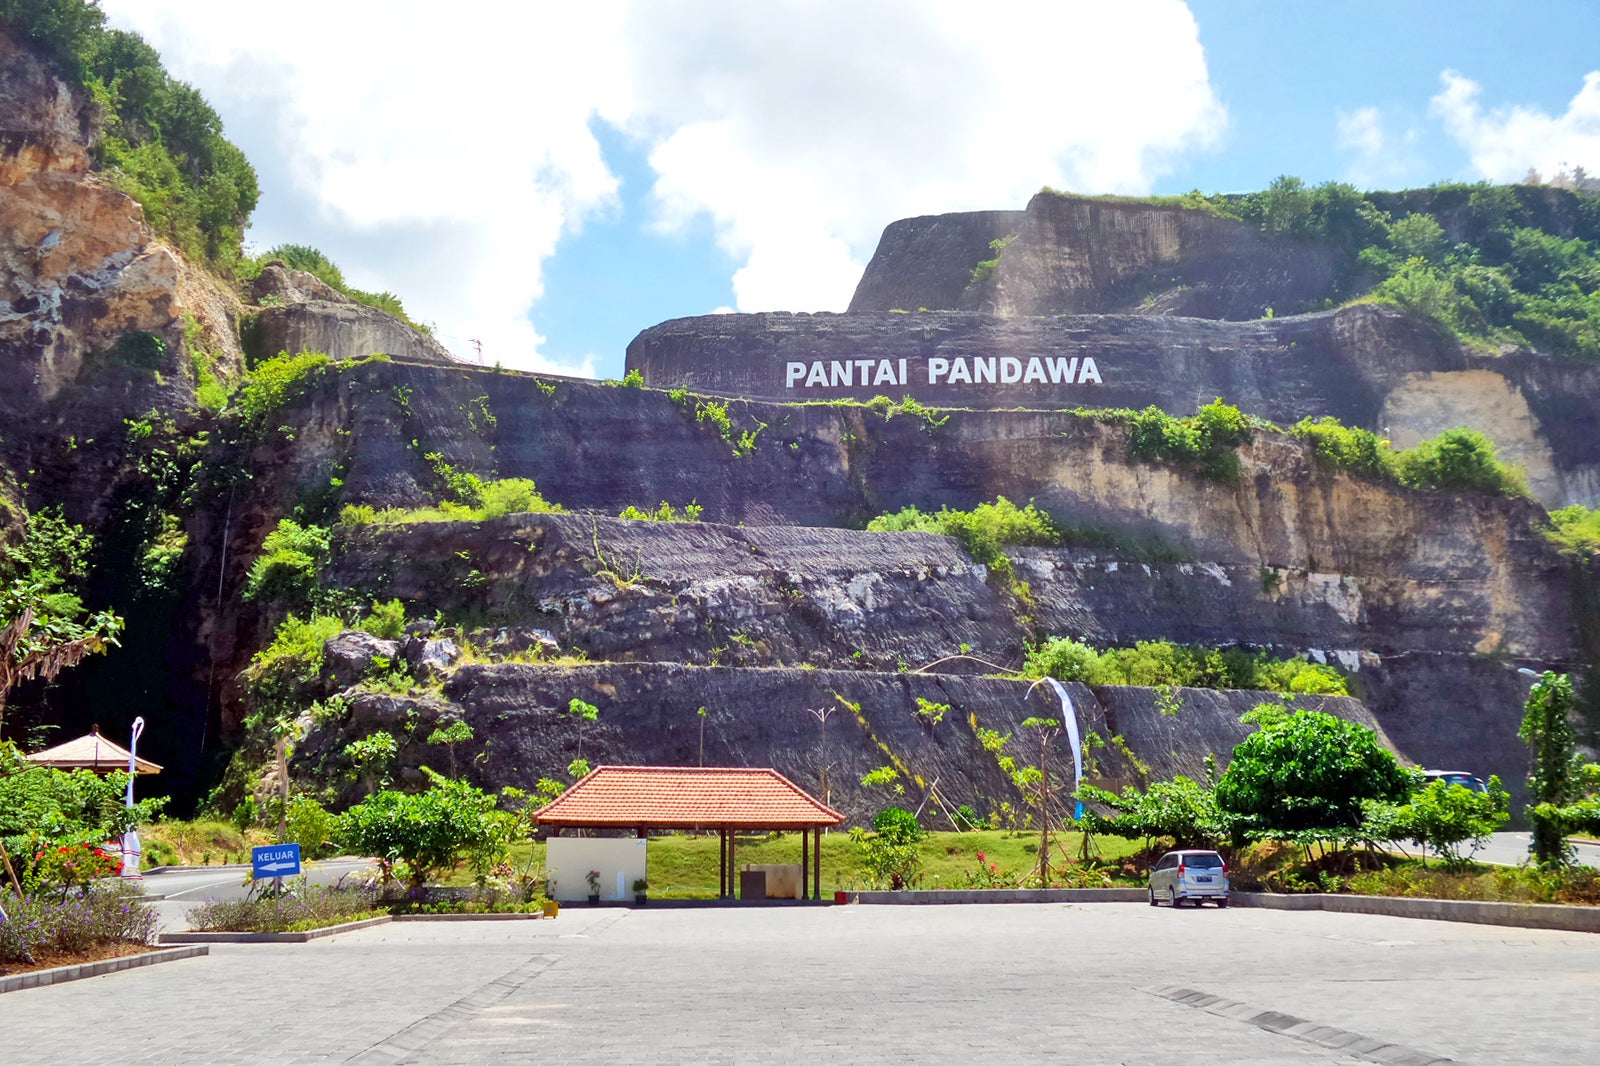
724	798
90	752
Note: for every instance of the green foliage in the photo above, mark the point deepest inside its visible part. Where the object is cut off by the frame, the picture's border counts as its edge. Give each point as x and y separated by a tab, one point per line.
1182	810
1459	459
982	270
313	261
743	442
160	141
1306	770
372	755
303	906
280	677
1442	816
1576	530
105	914
47	808
633	379
1556	777
1159	662
1357	450
897	825
665	513
883	775
428	831
53	559
1204	441
287	567
930	712
273	382
387	621
310	826
982	531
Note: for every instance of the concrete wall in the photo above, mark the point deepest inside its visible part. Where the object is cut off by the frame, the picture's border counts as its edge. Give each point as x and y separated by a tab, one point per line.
620	860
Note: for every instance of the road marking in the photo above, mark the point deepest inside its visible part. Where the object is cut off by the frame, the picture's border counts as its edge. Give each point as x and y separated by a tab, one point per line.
1342	1040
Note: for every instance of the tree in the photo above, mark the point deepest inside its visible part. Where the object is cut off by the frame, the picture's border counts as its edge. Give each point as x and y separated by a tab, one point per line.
1306	770
582	712
1555	779
1442	816
457	732
372	755
36	642
1181	809
428	831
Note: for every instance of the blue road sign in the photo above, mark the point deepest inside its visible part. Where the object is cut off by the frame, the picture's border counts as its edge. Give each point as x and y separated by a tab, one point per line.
275	860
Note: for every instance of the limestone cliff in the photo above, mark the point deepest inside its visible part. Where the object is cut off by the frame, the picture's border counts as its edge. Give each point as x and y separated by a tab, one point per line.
1076	255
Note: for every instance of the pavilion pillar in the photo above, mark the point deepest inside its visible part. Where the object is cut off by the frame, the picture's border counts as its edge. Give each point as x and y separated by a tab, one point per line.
733	865
722	864
805	864
816	866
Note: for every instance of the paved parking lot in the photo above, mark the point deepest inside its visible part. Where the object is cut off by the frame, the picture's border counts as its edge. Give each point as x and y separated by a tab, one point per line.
862	984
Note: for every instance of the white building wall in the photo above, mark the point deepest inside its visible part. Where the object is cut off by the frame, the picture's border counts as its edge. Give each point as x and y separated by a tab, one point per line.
620	860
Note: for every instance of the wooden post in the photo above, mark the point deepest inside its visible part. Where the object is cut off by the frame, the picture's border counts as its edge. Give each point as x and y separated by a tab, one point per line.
733	865
722	864
805	864
816	867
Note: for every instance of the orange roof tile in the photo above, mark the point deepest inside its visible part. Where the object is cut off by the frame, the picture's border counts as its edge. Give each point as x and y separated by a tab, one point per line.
687	797
90	752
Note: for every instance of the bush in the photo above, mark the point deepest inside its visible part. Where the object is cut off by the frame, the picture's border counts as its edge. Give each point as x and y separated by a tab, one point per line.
982	531
310	826
897	825
1346	448
108	913
1576	530
428	831
665	513
386	621
1306	770
274	382
303	906
1159	662
1205	441
287	566
1460	459
1442	816
280	675
1182	810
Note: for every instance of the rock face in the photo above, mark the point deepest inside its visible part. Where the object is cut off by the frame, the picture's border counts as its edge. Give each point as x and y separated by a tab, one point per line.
78	269
649	714
1365	365
1076	255
301	313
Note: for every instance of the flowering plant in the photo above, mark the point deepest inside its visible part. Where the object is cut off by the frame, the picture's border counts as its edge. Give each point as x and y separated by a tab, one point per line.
73	865
989	875
593	877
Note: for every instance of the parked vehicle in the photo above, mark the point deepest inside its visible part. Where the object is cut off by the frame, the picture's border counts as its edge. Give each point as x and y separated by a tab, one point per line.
1189	876
1457	777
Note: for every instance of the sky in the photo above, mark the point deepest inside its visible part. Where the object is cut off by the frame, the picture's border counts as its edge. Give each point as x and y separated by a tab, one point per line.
541	181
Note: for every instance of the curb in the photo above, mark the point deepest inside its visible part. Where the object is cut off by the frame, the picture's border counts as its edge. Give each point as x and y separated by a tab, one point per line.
272	938
467	917
62	974
1571	919
1002	895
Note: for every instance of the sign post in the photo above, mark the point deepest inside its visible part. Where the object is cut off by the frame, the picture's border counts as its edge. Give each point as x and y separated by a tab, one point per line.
131	850
276	861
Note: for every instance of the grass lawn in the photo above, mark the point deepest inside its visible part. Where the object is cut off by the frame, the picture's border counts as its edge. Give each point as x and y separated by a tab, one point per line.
685	867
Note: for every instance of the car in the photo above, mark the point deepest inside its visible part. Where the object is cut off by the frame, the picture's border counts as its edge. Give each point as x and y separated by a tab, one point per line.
1457	777
1190	875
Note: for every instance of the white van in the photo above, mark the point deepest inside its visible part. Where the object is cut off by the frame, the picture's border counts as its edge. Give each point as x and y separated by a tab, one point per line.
1189	876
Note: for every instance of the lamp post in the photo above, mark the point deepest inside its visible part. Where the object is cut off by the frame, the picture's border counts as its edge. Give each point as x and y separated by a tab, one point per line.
130	839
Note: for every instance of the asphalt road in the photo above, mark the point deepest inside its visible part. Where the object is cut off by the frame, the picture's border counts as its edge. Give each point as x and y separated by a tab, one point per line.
1511	849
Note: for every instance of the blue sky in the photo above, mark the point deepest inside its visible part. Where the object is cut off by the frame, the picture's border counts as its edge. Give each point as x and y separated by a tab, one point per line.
553	179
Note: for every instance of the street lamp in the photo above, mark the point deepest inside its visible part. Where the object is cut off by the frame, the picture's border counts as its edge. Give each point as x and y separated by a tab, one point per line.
130	839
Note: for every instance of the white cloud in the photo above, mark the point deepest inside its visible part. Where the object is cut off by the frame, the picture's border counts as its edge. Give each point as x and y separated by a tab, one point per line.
1503	142
444	153
1377	156
801	129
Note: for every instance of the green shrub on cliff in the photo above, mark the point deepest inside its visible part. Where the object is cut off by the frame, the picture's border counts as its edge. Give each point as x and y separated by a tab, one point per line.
1205	440
982	531
1459	459
287	567
665	513
273	382
1351	448
1159	662
314	262
1576	530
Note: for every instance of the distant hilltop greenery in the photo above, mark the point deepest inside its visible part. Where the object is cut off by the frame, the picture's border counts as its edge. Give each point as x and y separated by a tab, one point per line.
160	142
1493	264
